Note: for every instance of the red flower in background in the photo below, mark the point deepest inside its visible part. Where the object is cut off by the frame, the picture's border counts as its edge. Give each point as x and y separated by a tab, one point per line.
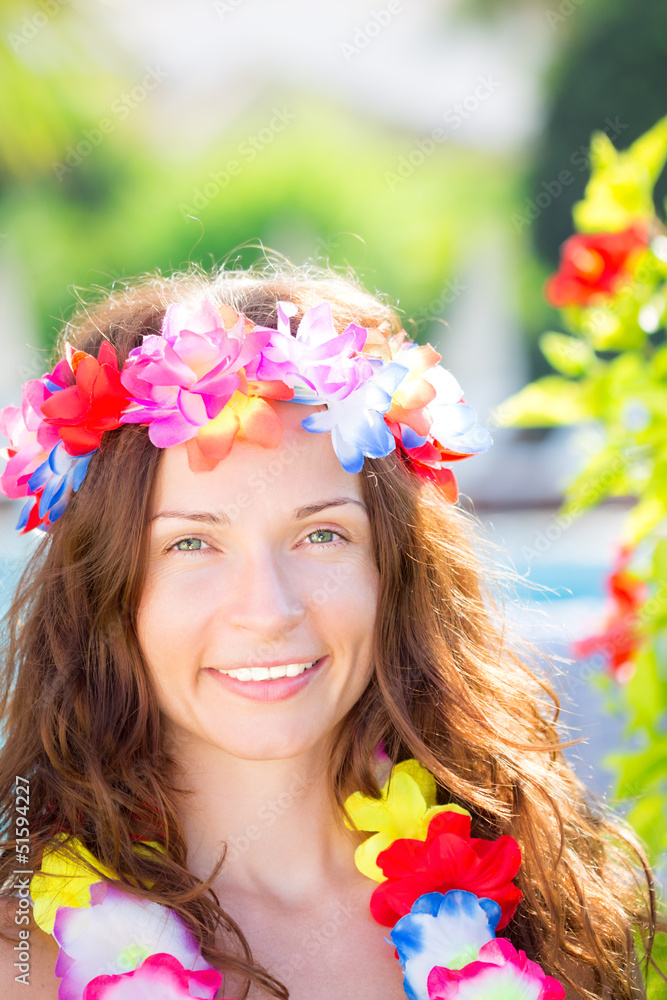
449	858
593	265
621	637
84	411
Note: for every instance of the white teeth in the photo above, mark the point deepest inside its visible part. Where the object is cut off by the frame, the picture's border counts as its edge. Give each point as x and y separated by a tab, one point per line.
268	673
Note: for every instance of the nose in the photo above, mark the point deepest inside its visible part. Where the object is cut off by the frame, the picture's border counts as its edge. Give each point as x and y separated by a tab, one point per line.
265	600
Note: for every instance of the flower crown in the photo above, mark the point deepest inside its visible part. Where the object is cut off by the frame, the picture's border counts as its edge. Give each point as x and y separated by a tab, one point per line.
205	381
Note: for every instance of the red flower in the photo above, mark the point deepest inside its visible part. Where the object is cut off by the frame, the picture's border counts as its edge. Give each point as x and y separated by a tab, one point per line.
448	859
425	460
84	411
621	637
593	265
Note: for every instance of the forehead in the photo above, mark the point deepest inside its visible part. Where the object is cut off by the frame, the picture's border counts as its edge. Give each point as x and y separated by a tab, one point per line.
303	466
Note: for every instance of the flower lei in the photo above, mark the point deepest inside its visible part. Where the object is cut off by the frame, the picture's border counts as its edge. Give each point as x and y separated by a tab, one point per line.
205	381
443	893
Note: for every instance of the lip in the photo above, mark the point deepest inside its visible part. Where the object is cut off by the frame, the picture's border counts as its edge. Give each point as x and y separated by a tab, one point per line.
271	690
274	663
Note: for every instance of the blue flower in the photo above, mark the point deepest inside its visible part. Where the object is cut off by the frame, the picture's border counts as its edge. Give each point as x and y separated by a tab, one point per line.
356	422
58	477
444	930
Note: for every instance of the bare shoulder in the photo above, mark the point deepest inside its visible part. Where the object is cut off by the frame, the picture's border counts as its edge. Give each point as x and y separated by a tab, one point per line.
27	958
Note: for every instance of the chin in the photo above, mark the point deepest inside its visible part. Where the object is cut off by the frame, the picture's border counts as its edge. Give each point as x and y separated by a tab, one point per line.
252	741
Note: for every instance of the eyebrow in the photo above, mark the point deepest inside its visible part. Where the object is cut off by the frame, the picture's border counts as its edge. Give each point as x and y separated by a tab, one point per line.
221	519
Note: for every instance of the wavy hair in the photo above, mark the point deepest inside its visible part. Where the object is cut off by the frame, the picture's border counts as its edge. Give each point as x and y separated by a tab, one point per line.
82	722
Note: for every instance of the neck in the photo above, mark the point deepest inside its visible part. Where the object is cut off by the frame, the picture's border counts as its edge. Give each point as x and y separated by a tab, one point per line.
284	834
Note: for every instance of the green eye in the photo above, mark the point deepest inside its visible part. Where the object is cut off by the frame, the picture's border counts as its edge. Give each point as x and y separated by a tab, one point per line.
188	545
318	535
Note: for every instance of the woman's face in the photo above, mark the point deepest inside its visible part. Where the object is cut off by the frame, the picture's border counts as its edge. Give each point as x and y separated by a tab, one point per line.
257	570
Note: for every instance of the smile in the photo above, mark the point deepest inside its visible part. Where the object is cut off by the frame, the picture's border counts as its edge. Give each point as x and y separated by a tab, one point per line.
275	683
268	673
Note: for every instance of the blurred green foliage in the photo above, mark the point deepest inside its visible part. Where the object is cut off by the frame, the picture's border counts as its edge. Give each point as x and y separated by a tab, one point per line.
611	369
609	75
327	198
87	197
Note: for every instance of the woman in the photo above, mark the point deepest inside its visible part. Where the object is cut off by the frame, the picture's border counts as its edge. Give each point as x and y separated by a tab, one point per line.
255	596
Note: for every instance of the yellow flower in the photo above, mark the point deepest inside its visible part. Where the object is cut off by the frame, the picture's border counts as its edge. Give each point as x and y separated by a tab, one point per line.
65	880
405	809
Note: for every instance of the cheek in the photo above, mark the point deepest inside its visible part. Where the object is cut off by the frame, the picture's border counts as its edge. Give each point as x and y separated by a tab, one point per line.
344	601
167	626
355	623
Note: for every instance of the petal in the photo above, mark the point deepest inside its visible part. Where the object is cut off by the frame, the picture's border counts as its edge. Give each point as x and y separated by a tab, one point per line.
350	455
161	976
171	430
192	407
216	438
260	424
446	930
204	318
317	325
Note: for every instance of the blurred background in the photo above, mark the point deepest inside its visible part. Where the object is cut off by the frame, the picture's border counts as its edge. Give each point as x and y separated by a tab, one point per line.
434	146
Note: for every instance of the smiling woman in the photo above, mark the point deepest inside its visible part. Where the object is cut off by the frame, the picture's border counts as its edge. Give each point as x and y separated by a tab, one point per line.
256	685
230	615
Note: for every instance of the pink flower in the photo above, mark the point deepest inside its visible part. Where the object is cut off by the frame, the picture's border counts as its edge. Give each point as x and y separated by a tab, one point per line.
160	976
114	935
30	438
317	358
182	379
500	972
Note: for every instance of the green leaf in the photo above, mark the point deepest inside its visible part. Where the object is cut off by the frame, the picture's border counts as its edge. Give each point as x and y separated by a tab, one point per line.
639	772
548	402
649	818
660	560
659	362
650	149
644	517
600	477
568	355
620	189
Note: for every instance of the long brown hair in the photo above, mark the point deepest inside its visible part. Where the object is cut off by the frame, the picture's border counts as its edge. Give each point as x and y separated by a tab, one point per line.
82	722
